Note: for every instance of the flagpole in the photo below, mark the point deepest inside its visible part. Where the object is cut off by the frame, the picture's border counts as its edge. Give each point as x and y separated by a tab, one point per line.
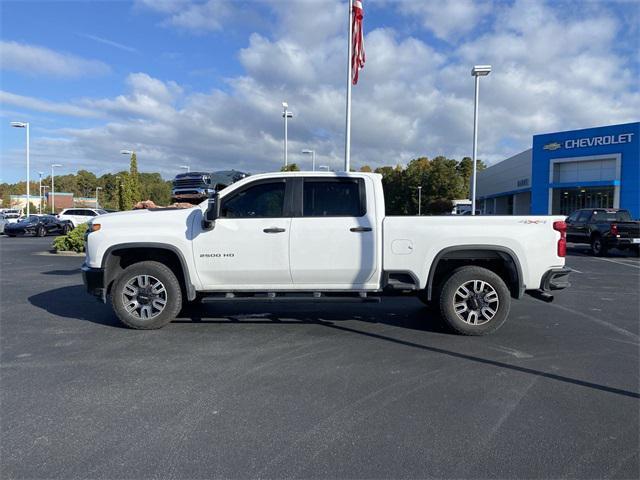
347	136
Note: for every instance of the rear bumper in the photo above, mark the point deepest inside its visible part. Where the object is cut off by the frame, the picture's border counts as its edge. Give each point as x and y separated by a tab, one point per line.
621	242
93	279
555	279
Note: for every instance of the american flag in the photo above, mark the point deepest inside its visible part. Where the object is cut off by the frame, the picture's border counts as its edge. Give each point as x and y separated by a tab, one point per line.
357	40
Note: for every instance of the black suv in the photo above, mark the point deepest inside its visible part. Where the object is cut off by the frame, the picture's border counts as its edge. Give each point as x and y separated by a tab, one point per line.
194	187
603	228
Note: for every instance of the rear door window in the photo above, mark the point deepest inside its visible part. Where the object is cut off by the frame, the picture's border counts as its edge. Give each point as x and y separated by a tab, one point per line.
333	198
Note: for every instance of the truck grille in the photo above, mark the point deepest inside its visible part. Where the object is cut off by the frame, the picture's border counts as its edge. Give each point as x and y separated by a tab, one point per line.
189	183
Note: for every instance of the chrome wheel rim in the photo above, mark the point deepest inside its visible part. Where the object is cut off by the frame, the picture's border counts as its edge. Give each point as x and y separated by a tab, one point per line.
144	297
476	302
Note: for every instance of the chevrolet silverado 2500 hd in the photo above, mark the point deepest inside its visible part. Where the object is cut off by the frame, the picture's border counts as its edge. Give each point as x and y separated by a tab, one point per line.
319	236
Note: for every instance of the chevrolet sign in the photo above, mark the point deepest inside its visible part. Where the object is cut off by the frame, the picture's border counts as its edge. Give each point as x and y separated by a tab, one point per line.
590	142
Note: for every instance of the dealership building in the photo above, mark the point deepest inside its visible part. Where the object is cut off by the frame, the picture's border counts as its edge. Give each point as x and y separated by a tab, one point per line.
565	171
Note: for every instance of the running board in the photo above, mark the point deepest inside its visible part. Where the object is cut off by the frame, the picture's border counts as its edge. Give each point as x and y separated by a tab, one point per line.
313	297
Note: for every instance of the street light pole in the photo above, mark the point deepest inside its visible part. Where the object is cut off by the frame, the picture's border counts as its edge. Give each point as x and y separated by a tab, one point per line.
477	72
40	193
286	114
53	188
419	200
25	125
313	158
97	188
186	167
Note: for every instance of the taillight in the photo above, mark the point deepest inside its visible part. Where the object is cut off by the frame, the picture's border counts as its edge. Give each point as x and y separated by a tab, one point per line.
561	227
614	229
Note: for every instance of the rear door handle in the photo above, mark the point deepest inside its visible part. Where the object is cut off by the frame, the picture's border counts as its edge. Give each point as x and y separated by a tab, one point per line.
274	230
360	229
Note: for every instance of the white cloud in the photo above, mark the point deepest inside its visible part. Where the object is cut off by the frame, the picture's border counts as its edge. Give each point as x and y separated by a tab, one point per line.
550	73
32	60
31	103
197	17
448	19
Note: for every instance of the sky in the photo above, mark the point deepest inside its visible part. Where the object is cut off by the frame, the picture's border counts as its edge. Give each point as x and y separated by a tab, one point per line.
201	83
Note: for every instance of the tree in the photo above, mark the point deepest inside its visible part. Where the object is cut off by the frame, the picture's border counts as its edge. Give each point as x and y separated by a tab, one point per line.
465	171
86	183
124	202
292	167
132	183
365	168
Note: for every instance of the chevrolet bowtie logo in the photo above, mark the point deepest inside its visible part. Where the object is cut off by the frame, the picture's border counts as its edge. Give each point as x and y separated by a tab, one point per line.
552	146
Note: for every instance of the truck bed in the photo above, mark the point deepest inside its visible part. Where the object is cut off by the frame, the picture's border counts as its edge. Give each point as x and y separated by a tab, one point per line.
523	237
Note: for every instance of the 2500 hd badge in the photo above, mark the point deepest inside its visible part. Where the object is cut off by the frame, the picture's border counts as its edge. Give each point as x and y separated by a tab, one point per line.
217	255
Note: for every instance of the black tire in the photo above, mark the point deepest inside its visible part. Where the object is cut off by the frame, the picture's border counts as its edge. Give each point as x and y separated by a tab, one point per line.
598	248
482	303
41	232
172	297
66	229
12	236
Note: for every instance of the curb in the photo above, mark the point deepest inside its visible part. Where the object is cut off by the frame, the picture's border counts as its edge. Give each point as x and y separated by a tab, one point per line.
63	253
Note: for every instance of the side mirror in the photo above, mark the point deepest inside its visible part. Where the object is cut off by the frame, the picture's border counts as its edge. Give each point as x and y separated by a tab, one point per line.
212	213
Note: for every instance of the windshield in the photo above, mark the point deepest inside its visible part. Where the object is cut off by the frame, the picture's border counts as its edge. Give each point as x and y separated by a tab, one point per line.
101	212
611	216
31	219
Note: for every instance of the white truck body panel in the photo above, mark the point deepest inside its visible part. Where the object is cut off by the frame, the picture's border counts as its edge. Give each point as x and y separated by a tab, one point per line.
531	239
321	253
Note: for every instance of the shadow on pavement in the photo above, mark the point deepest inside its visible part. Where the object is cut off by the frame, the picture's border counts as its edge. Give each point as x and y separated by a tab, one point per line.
73	271
72	302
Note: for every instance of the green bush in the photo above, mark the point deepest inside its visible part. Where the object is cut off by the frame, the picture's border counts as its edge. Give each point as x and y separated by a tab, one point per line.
71	242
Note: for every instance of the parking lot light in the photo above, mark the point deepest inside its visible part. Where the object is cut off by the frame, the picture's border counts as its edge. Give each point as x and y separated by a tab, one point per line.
53	188
25	125
477	72
313	158
97	188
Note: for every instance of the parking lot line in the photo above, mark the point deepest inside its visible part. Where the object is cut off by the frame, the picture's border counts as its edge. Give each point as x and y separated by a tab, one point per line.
599	321
615	261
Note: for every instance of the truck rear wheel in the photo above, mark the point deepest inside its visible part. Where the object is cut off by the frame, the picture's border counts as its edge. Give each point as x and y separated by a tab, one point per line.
146	296
474	301
598	248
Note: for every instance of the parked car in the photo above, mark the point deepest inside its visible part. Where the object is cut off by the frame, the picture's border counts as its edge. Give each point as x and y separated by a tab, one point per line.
39	226
603	228
3	222
195	187
319	237
12	217
80	215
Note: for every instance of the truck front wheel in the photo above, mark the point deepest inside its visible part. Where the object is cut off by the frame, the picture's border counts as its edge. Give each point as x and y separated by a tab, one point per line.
474	301
146	296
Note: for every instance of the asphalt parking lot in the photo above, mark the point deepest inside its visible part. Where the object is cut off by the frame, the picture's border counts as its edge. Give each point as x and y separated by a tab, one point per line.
316	391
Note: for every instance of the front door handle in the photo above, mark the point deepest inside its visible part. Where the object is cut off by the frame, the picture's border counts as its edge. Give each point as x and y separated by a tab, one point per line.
273	230
360	229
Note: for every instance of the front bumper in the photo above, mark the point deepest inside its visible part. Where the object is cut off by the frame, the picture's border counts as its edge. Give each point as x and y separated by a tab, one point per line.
555	279
93	279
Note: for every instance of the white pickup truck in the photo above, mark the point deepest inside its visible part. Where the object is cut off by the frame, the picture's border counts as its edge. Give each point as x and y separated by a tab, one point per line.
319	236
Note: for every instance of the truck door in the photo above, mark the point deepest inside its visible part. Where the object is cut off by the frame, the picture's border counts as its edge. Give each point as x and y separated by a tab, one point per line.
333	238
580	228
572	226
248	248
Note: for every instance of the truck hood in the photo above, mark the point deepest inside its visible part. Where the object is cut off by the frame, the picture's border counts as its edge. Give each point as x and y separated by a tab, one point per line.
147	217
